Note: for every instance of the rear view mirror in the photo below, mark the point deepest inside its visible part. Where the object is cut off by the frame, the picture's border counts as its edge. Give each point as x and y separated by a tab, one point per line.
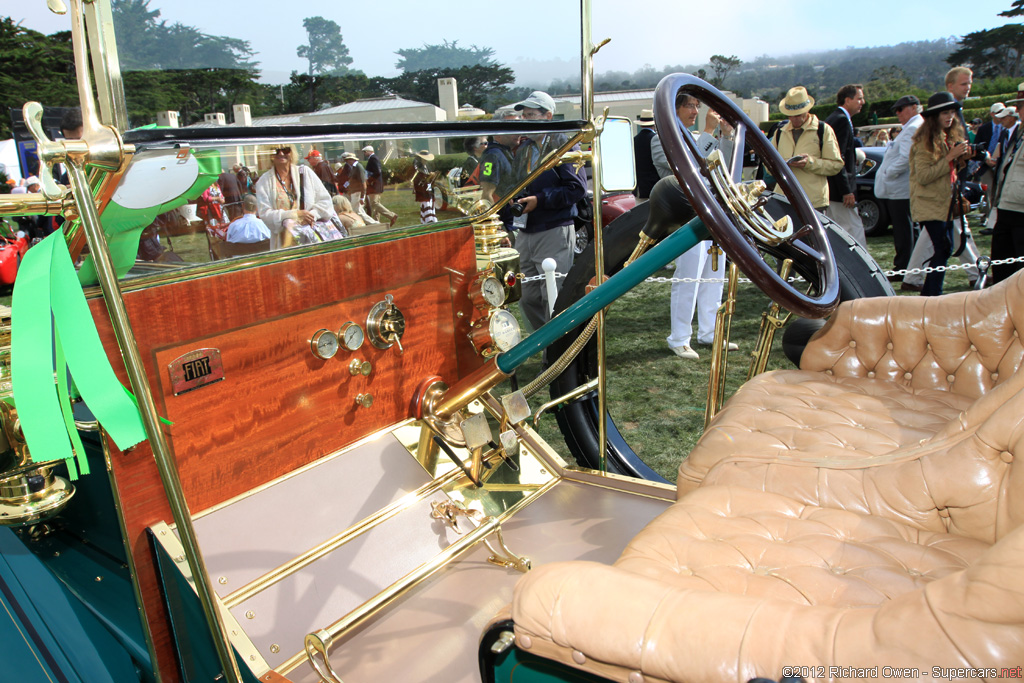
618	169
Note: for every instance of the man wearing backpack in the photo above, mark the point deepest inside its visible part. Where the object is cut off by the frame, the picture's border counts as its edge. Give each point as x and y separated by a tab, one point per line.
808	145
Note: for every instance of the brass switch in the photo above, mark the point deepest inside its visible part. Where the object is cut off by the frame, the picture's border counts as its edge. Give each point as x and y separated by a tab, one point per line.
360	367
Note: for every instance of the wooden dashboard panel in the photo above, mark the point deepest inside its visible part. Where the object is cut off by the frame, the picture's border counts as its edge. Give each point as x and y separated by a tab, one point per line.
278	407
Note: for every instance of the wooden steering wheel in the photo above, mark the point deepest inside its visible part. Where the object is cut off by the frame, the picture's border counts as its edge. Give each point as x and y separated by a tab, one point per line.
732	213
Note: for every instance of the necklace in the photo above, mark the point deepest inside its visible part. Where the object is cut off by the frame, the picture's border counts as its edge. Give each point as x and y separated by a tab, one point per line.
286	188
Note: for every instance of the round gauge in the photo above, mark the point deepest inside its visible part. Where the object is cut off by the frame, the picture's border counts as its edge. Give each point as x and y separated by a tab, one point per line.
493	291
352	336
504	329
324	344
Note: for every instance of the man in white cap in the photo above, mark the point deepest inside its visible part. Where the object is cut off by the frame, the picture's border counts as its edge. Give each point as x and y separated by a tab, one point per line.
545	229
986	139
892	180
351	182
375	187
646	173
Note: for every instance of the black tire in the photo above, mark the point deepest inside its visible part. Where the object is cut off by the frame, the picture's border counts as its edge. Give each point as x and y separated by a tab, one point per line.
873	214
859	277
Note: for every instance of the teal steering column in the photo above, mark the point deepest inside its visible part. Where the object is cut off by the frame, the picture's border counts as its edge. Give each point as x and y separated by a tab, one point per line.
680	241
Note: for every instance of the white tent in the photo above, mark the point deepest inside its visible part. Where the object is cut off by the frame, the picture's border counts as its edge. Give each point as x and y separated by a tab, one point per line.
9	159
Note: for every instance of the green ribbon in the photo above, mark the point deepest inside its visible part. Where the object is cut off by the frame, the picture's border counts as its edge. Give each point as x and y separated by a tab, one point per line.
48	305
123	226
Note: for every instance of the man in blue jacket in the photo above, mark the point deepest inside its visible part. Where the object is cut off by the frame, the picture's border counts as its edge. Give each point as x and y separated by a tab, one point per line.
545	229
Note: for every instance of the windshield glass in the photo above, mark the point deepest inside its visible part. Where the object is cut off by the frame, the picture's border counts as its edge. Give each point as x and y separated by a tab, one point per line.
340	63
275	130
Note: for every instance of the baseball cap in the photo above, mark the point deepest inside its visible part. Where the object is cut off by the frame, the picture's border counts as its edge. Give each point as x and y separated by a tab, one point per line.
312	154
996	107
368	148
33	180
538	99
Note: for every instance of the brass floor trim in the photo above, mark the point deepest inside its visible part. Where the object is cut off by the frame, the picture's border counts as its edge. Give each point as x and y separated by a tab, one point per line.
424	572
313	554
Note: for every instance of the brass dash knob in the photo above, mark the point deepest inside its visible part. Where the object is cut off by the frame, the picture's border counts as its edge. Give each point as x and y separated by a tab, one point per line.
360	367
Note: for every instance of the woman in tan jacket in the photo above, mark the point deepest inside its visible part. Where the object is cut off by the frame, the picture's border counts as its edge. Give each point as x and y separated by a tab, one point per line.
939	148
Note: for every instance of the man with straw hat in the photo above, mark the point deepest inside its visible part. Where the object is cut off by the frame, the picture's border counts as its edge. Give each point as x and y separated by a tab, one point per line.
808	145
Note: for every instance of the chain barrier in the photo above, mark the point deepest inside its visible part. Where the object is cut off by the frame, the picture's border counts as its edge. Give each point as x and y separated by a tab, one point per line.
887	273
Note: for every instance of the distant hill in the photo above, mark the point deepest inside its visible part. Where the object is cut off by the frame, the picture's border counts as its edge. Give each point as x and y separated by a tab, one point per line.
919	66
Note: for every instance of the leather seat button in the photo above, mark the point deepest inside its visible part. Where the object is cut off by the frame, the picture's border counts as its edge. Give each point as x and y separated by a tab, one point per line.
828	372
636	677
995	376
889	346
944	512
685	571
913	572
973	347
525	642
907	375
928	346
853	344
871	375
950	378
579	657
837	570
1006	456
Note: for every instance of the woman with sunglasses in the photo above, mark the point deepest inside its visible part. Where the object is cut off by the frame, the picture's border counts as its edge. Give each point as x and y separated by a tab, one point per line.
291	199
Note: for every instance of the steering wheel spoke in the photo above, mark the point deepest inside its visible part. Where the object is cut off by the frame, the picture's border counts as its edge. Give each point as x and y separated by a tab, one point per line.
733	211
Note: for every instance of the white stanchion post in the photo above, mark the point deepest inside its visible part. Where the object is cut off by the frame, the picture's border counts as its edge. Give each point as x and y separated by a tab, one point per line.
549	266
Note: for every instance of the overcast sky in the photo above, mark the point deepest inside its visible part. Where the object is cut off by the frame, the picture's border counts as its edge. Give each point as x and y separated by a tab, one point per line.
534	36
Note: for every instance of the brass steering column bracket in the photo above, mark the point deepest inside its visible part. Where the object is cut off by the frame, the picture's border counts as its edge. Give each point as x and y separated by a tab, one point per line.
720	353
772	320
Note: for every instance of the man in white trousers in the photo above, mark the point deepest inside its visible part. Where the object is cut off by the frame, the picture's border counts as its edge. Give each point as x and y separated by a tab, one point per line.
687	297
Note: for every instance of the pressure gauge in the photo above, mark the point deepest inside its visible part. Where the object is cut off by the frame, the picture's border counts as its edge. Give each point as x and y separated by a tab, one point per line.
493	291
352	336
504	329
324	344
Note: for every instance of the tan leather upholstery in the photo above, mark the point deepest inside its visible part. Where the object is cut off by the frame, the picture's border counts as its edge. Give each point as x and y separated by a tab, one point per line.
841	520
883	374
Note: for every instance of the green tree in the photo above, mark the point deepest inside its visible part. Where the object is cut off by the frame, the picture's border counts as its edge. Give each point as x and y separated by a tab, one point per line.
1016	9
992	53
722	65
325	52
888	83
36	68
145	43
444	56
479	85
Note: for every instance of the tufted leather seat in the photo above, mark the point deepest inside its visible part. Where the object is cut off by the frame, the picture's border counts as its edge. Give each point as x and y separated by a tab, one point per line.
883	374
881	530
